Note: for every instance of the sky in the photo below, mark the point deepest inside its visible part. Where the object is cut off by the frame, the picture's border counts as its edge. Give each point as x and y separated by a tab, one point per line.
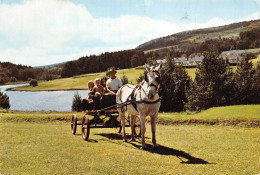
44	32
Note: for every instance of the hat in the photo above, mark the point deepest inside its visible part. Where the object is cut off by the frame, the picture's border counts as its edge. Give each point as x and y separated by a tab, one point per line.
112	70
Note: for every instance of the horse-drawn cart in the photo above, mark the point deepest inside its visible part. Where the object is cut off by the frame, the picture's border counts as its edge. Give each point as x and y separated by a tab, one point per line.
104	118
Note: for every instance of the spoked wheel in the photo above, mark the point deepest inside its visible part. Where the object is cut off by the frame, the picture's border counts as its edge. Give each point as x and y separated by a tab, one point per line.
73	125
137	127
85	127
119	128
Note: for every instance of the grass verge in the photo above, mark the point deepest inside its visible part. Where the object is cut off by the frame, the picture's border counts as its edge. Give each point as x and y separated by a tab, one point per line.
241	115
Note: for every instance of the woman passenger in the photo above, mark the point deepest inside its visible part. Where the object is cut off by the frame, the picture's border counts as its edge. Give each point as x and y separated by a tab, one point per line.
103	83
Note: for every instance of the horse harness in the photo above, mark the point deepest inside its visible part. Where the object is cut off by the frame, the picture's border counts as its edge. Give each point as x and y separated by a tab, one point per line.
132	100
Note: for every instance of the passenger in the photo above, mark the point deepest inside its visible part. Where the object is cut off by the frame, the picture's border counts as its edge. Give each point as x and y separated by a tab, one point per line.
87	104
98	89
104	81
107	91
90	87
113	83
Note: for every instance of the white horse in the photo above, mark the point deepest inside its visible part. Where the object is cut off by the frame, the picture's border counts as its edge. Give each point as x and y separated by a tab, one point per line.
146	103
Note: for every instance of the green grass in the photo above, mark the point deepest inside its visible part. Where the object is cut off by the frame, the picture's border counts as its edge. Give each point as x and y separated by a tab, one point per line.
79	82
241	115
45	145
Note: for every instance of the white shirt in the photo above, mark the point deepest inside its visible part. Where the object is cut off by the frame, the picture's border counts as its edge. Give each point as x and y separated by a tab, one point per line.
114	84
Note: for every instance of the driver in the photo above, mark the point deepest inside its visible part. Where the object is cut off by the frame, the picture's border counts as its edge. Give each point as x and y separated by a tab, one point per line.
113	83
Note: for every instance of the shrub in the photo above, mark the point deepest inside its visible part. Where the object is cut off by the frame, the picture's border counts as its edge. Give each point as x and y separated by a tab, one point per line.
33	83
140	78
13	79
4	101
77	103
124	79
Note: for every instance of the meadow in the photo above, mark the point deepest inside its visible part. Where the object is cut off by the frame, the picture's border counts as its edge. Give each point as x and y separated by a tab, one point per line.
41	143
80	81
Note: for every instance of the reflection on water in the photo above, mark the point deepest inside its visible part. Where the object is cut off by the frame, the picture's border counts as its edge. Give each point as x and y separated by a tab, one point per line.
42	100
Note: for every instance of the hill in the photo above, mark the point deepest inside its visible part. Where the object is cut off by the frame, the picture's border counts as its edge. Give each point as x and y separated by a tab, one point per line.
183	40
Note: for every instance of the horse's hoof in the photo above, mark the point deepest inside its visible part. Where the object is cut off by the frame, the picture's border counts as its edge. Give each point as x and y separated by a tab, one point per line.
124	140
155	146
133	140
143	148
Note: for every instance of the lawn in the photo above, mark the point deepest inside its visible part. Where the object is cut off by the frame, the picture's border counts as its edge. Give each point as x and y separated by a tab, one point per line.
41	143
80	82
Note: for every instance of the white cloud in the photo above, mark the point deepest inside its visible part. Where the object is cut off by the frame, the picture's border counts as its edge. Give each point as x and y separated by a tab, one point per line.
40	32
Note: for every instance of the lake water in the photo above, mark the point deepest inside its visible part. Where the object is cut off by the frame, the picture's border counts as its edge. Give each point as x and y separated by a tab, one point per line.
41	100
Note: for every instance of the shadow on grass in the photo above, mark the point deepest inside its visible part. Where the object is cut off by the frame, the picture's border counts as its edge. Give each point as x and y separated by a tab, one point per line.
162	150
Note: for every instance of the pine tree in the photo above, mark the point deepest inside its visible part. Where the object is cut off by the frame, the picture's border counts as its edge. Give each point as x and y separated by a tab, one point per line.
213	84
174	83
124	79
244	79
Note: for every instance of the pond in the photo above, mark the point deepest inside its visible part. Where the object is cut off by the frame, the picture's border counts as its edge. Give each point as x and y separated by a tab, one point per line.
41	100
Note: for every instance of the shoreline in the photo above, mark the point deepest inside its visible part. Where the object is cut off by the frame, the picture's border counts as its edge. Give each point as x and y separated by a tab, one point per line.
14	89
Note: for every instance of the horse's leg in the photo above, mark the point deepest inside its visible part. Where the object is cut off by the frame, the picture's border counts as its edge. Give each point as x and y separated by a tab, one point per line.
142	121
153	128
122	118
132	123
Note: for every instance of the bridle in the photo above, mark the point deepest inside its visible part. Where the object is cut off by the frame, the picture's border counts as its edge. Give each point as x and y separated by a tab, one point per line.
157	79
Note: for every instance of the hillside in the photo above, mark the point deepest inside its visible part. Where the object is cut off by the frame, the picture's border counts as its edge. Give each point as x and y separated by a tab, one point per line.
184	39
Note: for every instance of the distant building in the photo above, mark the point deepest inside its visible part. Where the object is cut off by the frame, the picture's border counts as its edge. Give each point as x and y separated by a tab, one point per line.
186	62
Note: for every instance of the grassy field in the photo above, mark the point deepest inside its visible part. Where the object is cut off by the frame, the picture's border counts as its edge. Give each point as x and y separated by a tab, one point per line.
79	82
41	143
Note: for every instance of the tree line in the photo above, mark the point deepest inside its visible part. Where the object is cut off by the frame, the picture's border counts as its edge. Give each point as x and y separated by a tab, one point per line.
215	84
10	72
91	64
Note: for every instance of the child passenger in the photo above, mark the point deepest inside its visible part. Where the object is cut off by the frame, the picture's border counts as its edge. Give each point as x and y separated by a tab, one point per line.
98	89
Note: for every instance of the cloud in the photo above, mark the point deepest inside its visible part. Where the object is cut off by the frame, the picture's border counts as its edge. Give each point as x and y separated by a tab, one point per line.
39	32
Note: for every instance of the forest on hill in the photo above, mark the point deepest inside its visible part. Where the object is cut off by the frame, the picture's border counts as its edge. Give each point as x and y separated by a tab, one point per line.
237	36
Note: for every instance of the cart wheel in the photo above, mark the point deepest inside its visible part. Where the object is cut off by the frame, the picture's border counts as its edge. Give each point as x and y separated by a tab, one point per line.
85	127
137	127
73	125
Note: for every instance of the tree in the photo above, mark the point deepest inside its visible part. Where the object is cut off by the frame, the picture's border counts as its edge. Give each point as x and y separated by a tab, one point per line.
124	79
174	83
77	103
213	85
141	77
33	83
244	80
70	69
256	85
4	101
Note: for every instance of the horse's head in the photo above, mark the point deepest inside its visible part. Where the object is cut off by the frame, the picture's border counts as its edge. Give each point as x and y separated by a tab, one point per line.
153	80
